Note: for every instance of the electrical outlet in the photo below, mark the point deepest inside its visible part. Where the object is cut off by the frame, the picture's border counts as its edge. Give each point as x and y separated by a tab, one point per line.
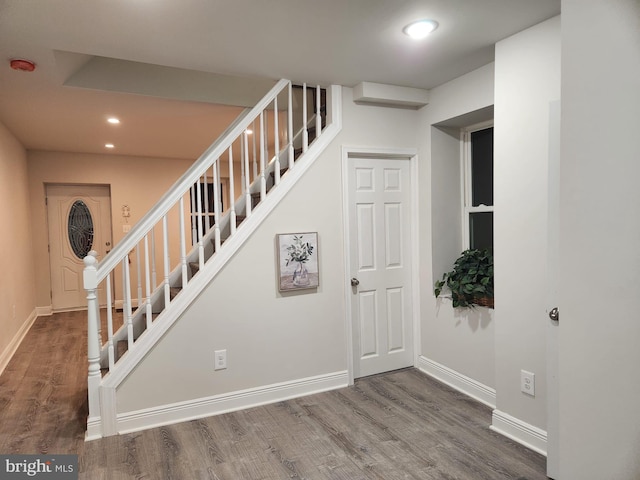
528	383
220	360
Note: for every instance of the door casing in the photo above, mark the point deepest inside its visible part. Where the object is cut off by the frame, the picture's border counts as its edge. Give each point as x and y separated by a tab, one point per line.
410	154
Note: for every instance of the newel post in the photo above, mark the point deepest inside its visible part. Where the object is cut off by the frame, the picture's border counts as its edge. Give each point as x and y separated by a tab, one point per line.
94	254
90	277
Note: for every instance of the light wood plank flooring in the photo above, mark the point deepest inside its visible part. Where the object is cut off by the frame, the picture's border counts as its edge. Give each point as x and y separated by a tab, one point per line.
399	425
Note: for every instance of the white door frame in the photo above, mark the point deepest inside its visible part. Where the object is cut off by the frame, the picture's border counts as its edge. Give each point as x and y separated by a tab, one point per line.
410	154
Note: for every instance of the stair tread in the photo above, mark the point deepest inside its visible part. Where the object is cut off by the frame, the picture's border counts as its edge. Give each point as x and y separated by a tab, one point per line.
284	170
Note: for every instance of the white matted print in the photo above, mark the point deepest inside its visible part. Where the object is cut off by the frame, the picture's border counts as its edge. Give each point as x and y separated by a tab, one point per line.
297	261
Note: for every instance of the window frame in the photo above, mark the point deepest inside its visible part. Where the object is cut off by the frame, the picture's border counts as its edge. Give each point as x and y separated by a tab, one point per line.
466	180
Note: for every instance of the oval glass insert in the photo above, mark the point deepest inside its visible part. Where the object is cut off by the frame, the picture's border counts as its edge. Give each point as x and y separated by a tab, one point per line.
80	229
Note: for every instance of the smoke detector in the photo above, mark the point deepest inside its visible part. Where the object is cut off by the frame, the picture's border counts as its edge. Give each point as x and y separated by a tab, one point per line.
23	65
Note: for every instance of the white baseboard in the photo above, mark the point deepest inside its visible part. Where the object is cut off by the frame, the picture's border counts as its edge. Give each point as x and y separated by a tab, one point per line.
5	357
94	429
44	311
460	382
531	437
228	402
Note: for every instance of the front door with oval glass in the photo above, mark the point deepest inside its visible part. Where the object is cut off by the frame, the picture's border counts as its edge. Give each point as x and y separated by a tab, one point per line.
79	221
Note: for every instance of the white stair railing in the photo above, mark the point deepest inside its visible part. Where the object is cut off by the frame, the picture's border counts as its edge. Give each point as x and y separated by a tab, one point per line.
132	262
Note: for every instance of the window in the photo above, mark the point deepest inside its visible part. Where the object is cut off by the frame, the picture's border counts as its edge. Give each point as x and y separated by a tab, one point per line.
478	187
80	229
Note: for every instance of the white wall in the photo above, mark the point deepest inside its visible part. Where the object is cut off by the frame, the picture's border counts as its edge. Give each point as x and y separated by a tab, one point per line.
17	295
460	339
273	337
527	80
599	241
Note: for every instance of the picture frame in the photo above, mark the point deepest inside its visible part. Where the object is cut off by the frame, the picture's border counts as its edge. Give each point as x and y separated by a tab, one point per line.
297	261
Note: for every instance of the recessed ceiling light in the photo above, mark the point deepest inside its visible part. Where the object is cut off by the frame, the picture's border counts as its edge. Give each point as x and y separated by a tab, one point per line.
109	145
420	29
113	120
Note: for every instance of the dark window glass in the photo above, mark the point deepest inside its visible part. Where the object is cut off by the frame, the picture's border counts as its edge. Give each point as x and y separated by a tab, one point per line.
482	167
80	229
481	230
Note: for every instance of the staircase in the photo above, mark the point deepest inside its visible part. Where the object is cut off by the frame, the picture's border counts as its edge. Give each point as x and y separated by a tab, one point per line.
180	245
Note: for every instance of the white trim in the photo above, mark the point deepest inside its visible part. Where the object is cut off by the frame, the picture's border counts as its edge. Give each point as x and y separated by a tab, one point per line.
69	309
525	434
347	265
228	402
94	429
415	258
10	350
44	311
108	409
457	380
410	154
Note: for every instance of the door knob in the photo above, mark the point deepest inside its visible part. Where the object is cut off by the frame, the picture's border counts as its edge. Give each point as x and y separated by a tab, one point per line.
355	282
554	314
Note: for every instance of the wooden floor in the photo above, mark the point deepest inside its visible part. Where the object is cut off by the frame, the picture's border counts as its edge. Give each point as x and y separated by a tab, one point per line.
399	425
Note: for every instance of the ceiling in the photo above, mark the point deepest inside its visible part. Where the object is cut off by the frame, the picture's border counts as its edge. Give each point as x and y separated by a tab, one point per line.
174	71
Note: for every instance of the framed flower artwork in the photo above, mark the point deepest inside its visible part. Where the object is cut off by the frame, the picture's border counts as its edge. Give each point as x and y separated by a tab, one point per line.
297	261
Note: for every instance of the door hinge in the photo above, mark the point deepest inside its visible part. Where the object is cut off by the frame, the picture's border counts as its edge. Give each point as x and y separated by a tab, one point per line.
46	200
49	248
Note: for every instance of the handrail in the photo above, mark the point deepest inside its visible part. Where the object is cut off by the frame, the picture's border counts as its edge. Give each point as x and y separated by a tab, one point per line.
168	200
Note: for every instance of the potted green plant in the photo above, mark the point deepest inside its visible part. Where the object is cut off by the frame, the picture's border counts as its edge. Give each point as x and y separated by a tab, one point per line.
471	280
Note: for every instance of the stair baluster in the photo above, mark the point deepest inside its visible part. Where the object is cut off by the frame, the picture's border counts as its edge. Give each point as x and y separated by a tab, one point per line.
290	127
216	204
139	276
232	205
183	247
305	132
154	279
206	218
127	299
276	178
165	244
247	191
264	139
318	110
254	157
147	282
110	351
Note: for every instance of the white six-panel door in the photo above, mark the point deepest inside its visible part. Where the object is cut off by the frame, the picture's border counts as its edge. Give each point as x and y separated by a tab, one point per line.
379	238
67	291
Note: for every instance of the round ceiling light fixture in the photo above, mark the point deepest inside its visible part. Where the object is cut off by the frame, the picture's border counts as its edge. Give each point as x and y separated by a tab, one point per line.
420	29
113	120
22	65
